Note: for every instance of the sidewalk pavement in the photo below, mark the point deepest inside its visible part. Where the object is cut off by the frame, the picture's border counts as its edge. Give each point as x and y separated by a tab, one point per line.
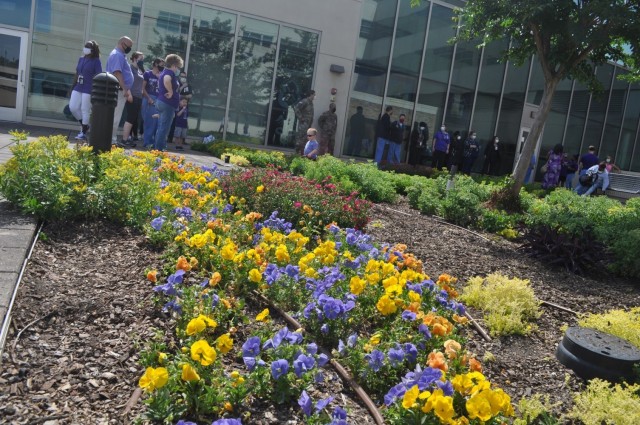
17	230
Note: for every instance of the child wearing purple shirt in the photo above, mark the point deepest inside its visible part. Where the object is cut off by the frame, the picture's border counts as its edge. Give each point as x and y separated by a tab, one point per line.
80	103
180	132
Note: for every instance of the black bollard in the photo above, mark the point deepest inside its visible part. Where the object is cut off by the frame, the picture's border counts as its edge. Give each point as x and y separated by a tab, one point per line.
104	98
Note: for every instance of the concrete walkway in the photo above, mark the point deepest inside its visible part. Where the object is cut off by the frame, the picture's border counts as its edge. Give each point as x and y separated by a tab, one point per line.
17	230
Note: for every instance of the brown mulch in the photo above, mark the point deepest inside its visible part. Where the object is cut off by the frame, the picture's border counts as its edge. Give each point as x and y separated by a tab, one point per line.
85	309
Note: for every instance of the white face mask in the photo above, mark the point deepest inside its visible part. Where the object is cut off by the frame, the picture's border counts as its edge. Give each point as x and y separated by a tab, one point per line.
473	137
86	51
497	140
457	137
442	128
421	128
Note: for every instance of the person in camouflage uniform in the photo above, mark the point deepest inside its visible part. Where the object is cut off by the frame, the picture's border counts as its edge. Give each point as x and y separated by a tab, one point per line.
327	125
304	114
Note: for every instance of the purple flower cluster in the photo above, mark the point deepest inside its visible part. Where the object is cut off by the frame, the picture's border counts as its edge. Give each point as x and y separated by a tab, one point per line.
307	407
359	239
169	287
275	223
185	212
425	379
229	421
157	223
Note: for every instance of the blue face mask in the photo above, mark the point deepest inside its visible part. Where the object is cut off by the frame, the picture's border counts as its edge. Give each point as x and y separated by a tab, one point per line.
176	72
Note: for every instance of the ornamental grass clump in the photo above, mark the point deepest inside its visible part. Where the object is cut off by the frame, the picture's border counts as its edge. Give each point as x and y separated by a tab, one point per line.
608	404
509	305
621	323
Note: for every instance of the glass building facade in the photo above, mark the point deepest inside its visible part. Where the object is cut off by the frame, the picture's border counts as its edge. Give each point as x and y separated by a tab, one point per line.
404	60
249	66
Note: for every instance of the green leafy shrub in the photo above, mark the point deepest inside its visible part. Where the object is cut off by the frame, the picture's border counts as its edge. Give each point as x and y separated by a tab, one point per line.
497	220
604	403
49	179
537	406
425	195
216	148
621	323
509	304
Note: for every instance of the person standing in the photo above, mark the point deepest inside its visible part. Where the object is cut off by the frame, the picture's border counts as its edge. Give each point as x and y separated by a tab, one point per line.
418	143
611	166
118	65
396	138
168	98
180	132
569	168
383	133
186	92
492	157
554	167
357	131
440	148
588	160
132	109
328	124
456	152
80	103
471	152
150	95
312	146
304	113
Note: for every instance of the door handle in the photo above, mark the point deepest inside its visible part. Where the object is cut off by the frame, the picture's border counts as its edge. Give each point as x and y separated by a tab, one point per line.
21	75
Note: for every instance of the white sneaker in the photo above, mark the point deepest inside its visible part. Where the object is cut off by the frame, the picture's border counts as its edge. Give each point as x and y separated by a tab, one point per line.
81	136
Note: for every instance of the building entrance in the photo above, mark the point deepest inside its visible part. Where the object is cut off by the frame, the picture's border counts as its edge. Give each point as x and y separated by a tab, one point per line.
13	58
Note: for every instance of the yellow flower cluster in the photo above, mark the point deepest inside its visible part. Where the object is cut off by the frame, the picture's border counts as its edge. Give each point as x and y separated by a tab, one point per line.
154	378
199	324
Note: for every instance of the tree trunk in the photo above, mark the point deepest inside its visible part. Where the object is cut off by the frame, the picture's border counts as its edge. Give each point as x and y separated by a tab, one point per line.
529	147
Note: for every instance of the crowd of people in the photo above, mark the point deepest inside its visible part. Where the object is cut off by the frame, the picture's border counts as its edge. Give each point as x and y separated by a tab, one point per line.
151	103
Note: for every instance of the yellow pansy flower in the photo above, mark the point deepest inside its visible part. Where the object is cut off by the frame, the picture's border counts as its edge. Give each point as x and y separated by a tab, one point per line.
386	305
224	343
255	276
189	373
195	326
203	353
479	407
356	285
263	316
154	378
260	189
410	397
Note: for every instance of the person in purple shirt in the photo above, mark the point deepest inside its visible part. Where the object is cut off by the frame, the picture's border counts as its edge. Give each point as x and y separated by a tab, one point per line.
168	98
149	97
80	103
118	65
180	132
440	148
588	160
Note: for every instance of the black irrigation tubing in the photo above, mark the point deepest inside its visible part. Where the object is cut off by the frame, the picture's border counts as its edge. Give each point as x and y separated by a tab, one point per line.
377	416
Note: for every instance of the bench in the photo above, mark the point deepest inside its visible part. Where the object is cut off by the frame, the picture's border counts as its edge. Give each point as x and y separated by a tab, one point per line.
628	183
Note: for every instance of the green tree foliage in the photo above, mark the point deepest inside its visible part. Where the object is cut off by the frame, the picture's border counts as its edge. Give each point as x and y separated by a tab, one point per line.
568	37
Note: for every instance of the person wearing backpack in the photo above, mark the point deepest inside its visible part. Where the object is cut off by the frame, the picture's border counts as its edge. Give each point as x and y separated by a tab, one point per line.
594	178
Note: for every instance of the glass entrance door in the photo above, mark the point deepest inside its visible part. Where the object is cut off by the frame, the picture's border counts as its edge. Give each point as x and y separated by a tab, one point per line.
13	58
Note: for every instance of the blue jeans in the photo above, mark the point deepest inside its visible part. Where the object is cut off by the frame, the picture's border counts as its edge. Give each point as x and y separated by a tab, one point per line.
394	153
380	144
167	112
150	124
569	182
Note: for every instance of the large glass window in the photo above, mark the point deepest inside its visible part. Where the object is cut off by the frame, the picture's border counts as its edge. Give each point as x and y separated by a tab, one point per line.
15	12
556	120
57	44
113	19
597	110
489	90
629	130
166	29
372	60
252	79
511	114
612	128
209	69
296	61
463	86
577	119
436	69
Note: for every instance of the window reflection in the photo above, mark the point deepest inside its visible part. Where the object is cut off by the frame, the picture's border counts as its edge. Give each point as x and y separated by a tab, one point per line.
16	12
577	119
57	44
597	110
614	116
629	129
252	79
463	86
166	29
209	69
296	62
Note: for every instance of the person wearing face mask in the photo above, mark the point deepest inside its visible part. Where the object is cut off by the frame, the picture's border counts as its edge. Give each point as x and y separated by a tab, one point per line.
383	130
132	110
471	152
396	137
492	157
610	166
80	103
118	65
149	98
440	147
418	143
186	92
168	98
456	153
327	125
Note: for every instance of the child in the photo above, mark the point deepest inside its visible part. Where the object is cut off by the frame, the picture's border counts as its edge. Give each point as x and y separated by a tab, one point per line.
181	124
